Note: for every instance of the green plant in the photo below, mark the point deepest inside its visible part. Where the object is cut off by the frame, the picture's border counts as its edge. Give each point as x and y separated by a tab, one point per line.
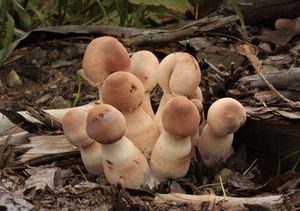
238	11
291	157
30	14
7	25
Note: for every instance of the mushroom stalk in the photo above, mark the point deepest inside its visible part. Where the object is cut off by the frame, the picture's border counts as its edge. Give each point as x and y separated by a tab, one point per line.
175	152
120	167
141	130
213	148
123	162
224	118
171	154
125	92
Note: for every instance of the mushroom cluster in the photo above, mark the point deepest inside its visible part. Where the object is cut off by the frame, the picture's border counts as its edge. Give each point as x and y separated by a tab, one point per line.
124	139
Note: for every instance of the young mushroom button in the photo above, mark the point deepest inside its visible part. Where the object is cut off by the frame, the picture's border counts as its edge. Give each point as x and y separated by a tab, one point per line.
225	116
123	163
103	56
125	91
171	154
74	127
178	74
143	65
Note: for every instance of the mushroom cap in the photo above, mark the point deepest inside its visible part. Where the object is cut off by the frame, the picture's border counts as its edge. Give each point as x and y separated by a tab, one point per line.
179	73
105	124
186	76
74	124
123	90
225	116
292	25
165	69
103	56
180	117
143	65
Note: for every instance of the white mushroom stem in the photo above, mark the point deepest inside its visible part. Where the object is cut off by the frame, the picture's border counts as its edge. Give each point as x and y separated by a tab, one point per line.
91	156
224	117
127	167
214	149
141	130
171	154
171	157
123	162
146	106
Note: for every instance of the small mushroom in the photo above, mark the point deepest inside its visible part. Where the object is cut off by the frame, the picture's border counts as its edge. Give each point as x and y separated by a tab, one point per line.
292	25
125	91
74	127
103	56
143	65
225	116
171	154
123	162
178	74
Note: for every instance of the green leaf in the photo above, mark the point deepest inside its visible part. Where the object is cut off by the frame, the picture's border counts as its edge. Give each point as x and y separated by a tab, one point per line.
122	9
238	11
179	6
8	37
24	18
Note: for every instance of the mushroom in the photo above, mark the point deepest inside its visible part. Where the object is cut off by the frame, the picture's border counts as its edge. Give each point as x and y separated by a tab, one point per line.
74	127
103	56
143	65
177	74
171	154
123	162
125	91
202	123
292	25
225	116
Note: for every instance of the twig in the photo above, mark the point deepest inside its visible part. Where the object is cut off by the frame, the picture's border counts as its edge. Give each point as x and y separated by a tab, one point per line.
247	51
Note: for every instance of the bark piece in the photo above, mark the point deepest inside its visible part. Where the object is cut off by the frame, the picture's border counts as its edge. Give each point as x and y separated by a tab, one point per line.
233	203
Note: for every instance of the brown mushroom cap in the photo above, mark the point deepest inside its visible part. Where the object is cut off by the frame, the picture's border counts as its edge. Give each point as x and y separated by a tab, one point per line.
186	76
292	25
180	117
143	65
225	116
74	123
165	69
123	90
105	124
103	56
179	73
